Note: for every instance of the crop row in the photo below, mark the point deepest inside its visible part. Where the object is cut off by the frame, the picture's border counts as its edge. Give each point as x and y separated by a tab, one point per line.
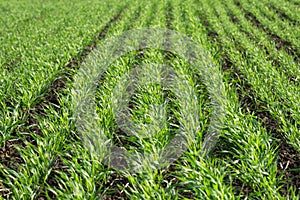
274	51
37	48
274	24
44	154
245	140
214	30
252	63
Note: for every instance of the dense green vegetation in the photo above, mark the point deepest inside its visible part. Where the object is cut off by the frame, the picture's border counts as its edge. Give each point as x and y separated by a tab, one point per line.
255	46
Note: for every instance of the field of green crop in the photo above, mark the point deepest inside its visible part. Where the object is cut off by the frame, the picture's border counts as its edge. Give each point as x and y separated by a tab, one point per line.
255	48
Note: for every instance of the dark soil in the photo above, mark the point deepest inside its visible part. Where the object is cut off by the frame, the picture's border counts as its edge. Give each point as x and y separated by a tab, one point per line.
115	183
288	166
